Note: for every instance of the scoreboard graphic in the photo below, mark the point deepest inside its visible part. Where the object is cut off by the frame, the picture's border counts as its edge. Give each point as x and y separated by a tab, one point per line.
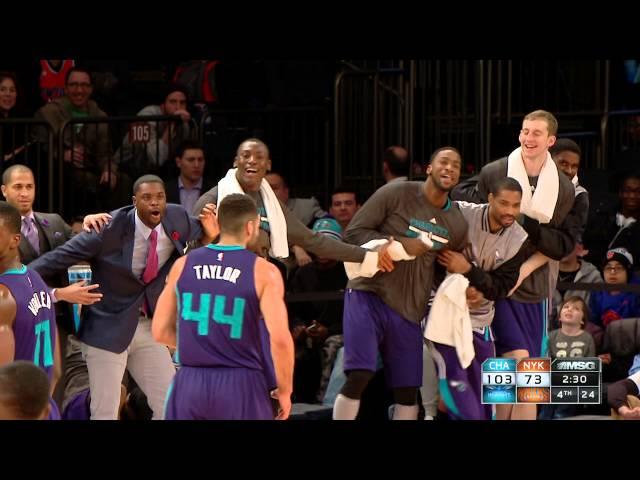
541	380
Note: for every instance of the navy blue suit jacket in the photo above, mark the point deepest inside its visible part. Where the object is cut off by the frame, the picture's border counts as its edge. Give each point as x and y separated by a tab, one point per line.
111	323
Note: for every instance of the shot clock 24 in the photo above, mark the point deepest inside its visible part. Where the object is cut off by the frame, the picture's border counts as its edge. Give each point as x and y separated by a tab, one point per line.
541	380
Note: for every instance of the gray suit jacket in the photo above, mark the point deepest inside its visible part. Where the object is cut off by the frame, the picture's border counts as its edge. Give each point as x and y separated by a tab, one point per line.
111	323
52	232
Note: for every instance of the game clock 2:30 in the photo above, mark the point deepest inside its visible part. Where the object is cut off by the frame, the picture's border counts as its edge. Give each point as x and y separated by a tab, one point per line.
573	378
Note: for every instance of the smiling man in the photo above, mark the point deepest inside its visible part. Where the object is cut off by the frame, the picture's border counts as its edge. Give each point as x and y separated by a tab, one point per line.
87	147
279	227
383	313
130	259
164	138
520	322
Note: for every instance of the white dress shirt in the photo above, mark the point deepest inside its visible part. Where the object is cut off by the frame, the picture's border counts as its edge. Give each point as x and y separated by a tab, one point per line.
141	247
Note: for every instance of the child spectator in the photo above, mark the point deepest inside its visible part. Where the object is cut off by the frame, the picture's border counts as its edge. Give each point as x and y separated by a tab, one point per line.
570	340
607	307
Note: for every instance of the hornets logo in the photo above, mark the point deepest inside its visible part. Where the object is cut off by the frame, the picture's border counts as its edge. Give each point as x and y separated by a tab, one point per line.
438	234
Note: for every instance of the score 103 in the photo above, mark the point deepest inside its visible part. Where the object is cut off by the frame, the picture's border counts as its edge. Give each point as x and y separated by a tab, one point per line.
520	379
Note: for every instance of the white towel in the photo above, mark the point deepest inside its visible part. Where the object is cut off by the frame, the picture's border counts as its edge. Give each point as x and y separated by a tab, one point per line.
542	203
369	266
449	321
277	223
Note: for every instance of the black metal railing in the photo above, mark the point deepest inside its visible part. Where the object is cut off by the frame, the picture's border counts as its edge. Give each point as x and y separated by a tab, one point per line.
85	160
371	112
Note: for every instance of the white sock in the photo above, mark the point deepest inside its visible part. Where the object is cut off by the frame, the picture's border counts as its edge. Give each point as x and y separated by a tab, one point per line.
405	412
345	408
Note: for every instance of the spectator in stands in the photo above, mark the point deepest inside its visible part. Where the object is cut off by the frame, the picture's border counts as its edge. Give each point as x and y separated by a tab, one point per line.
8	94
24	392
317	325
87	153
617	228
569	341
395	164
13	139
163	137
344	205
566	153
607	307
573	269
572	339
8	97
307	210
191	183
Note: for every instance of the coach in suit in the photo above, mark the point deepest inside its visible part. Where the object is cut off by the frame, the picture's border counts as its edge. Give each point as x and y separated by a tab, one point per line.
41	232
130	259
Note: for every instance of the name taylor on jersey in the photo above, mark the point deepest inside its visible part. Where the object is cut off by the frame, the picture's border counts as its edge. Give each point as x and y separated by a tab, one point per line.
217	272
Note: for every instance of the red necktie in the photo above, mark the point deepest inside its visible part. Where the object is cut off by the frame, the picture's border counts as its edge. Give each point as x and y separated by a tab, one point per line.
151	270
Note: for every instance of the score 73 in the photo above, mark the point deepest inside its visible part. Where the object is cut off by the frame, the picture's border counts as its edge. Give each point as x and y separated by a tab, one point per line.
533	379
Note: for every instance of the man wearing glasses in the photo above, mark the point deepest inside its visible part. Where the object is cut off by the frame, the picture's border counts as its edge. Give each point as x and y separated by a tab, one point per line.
87	147
609	306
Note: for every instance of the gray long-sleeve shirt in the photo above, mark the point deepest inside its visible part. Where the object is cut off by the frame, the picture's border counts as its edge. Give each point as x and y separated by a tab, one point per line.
402	210
555	239
495	259
297	233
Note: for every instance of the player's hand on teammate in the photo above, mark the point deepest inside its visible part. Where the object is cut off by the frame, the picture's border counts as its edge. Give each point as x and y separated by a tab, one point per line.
629	413
96	222
284	401
385	263
79	293
474	297
414	246
515	287
209	219
454	262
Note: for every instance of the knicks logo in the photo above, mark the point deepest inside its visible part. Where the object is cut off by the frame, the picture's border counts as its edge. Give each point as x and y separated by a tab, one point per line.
533	395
